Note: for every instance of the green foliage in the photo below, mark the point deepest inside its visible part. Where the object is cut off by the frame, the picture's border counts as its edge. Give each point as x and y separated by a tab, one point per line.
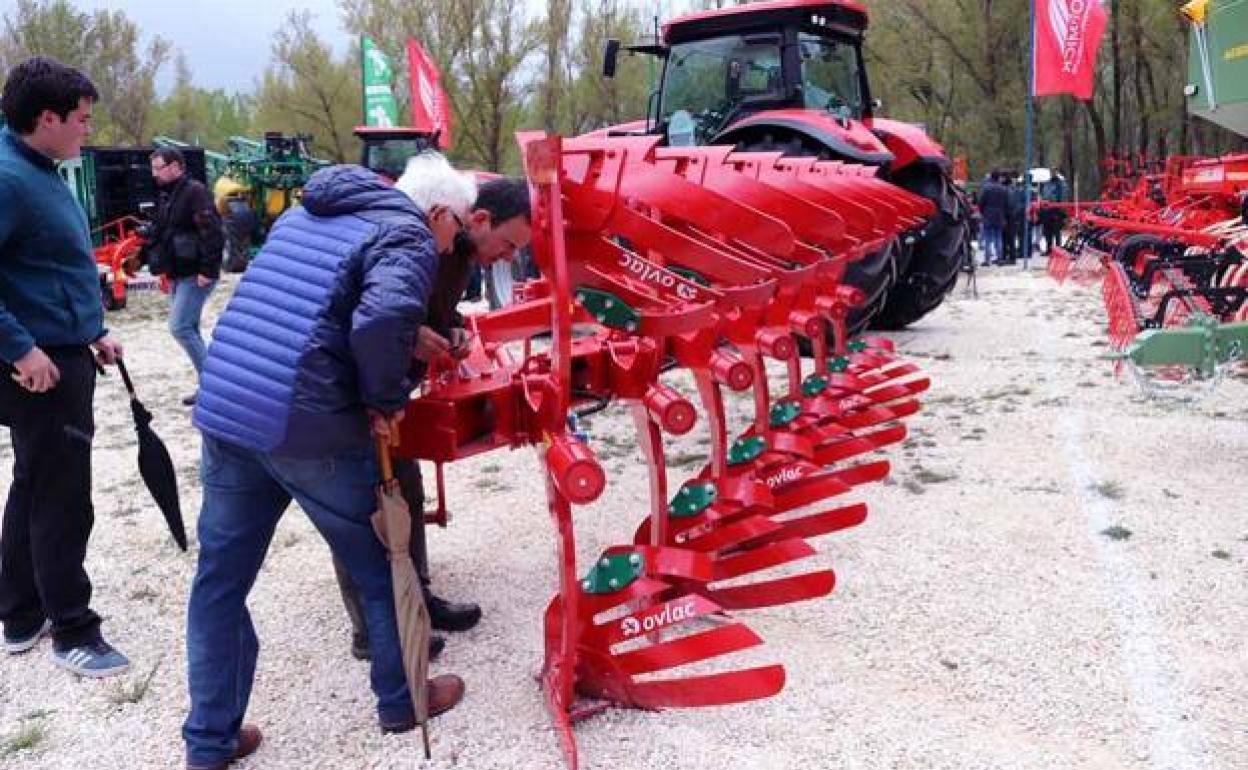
199	116
104	45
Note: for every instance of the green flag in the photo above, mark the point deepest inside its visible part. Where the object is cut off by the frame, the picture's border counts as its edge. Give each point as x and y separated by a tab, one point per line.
380	108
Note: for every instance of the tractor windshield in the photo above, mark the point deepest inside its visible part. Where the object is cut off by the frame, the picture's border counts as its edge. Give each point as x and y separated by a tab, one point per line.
830	75
711	79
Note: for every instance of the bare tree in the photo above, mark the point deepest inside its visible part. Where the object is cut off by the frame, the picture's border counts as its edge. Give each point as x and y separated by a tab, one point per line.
306	90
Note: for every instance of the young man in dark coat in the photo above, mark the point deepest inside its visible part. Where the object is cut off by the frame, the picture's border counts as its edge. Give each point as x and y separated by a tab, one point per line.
185	244
50	320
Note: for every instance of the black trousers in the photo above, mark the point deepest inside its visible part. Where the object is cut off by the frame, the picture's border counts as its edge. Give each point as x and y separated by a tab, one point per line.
1012	240
48	516
407	472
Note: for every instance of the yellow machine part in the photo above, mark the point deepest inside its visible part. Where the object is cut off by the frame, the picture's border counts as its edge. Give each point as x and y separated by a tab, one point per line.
277	201
226	188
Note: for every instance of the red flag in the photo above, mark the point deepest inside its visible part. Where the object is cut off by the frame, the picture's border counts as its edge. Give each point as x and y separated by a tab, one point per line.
1065	41
431	108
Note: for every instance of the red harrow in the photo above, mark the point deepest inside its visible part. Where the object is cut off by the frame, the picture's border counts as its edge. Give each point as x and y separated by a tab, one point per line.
1173	263
715	262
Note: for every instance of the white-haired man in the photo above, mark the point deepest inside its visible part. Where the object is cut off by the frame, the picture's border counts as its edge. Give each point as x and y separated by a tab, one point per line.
310	360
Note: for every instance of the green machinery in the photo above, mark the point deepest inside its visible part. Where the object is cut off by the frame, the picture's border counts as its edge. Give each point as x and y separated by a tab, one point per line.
1217	63
253	183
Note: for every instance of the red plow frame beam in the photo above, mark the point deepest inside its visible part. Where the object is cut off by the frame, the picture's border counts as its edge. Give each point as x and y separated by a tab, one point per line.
715	262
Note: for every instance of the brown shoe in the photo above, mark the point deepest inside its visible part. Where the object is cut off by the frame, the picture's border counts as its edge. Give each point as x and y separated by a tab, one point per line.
445	691
249	738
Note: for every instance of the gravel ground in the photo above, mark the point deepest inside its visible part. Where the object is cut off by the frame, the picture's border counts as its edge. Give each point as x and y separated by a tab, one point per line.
983	618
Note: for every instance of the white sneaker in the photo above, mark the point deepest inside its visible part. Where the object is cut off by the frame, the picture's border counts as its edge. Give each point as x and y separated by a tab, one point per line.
14	645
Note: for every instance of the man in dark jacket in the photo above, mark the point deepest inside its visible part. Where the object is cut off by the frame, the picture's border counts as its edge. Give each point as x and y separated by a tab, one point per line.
185	244
1015	214
994	201
50	319
310	360
495	230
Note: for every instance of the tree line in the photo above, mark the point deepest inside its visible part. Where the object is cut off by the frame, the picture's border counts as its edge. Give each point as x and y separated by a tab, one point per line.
958	67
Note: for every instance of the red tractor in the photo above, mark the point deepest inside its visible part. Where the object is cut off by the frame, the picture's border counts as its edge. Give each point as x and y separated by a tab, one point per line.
788	76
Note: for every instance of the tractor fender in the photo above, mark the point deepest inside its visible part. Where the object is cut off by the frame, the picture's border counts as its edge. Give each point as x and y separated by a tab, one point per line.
909	144
848	139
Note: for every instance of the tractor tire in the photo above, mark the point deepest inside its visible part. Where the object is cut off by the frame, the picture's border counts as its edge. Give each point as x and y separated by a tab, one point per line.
875	276
239	222
937	258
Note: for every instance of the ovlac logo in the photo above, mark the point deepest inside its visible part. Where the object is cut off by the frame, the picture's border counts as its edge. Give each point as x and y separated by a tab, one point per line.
655	275
1069	20
671	613
785	475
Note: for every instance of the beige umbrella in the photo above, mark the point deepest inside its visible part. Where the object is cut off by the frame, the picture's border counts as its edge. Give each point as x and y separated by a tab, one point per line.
393	524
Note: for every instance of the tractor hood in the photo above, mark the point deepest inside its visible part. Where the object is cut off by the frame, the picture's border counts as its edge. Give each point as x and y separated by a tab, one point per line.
850	139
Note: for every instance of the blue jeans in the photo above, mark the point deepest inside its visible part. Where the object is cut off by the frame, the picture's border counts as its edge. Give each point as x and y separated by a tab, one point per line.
993	239
188	298
245	493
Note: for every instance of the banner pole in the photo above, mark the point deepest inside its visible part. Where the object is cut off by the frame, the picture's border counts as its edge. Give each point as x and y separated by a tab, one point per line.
363	84
1029	132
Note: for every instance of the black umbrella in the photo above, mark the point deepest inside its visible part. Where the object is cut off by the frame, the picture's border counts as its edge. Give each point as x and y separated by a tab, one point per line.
155	465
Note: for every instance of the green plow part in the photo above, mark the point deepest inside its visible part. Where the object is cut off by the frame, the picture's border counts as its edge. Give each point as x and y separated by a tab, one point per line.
1202	345
608	309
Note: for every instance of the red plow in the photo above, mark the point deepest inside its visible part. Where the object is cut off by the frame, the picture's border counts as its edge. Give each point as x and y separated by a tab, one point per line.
717	263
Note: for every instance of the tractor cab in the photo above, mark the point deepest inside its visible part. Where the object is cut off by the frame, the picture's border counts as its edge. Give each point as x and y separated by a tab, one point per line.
723	66
788	77
386	150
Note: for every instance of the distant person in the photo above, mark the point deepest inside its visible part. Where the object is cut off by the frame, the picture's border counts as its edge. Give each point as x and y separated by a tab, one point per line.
1052	220
1015	213
185	244
51	319
993	202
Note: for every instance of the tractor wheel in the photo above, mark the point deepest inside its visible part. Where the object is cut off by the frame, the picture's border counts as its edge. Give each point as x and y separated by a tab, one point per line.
875	275
937	258
239	222
1135	251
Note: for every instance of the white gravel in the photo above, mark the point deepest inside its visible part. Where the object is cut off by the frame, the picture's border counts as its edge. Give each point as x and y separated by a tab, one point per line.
981	621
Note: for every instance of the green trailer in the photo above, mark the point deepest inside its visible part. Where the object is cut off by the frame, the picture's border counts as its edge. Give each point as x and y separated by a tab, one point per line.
1217	66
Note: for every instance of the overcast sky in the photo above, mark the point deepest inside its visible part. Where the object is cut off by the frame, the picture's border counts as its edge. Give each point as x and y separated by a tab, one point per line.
227	43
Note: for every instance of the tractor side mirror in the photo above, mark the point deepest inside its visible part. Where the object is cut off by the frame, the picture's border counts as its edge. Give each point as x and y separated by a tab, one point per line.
609	58
877	104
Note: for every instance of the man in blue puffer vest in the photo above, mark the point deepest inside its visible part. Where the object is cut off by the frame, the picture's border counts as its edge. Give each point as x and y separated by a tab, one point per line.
311	358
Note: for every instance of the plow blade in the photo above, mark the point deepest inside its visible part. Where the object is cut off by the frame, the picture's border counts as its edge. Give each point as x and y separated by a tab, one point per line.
711	689
1060	261
773	593
634	625
1120	308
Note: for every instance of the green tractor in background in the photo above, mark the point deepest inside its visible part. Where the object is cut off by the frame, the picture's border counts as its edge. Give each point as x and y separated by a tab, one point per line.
253	184
261	180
